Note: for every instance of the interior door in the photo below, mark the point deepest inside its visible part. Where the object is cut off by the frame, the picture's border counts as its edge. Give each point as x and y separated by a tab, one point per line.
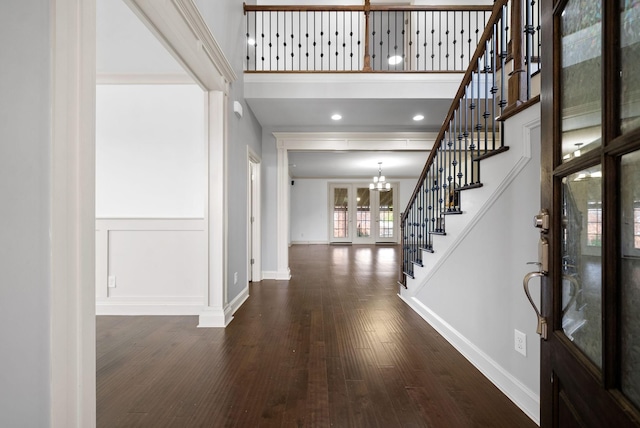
590	241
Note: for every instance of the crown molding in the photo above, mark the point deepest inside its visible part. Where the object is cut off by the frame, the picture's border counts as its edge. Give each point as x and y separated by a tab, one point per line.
180	27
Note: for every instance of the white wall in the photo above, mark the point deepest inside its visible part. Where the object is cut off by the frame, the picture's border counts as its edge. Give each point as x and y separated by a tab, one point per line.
471	287
150	198
309	210
25	149
150	151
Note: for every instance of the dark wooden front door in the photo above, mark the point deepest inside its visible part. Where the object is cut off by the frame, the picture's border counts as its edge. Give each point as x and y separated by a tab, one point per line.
590	360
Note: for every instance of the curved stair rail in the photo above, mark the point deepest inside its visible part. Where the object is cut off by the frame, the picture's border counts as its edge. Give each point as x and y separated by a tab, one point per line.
496	85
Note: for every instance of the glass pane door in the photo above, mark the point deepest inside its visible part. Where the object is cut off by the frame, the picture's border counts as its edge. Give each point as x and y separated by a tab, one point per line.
339	217
386	222
363	212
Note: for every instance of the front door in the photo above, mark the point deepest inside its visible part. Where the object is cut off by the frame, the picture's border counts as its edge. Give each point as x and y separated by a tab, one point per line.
590	357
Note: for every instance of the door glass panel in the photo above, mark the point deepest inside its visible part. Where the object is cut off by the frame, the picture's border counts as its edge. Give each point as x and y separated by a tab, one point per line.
340	213
581	32
630	63
363	213
630	280
581	250
386	215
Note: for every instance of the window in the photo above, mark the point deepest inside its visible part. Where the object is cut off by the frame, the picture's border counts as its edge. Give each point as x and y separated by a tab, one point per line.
594	224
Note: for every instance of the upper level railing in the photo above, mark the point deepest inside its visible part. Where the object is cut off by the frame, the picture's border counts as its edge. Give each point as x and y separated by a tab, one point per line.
363	38
497	83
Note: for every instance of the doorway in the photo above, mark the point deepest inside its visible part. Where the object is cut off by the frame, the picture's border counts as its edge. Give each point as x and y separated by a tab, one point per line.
359	215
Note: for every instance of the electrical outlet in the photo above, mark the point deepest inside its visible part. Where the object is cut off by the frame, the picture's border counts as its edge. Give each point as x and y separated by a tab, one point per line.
520	342
235	277
111	281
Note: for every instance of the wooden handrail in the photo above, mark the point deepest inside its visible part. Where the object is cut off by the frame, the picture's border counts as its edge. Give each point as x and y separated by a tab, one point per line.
362	8
486	35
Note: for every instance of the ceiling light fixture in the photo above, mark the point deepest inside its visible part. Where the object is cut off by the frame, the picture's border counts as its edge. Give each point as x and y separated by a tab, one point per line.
336	117
379	182
251	42
396	59
418	117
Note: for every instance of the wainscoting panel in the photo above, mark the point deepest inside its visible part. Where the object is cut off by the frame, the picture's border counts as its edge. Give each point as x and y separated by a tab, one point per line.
150	266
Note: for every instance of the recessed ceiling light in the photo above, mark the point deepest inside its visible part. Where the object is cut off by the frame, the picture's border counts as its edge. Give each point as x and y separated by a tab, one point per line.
251	42
418	117
396	59
336	117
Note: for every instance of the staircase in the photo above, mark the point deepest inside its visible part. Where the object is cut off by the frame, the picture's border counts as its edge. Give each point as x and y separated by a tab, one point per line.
502	80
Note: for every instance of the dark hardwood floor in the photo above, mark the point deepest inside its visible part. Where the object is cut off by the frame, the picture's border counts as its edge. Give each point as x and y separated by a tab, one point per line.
335	346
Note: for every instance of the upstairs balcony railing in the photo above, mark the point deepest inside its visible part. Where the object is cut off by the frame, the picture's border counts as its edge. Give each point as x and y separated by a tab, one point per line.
498	82
365	38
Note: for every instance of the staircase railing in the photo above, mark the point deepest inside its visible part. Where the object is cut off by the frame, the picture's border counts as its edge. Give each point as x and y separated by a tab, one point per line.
362	38
497	83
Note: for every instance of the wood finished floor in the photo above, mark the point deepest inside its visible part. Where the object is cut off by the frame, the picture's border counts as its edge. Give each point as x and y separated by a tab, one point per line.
334	347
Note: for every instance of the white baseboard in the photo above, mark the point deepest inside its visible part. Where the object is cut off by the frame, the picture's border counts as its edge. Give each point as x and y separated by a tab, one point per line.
309	242
523	397
239	300
279	276
147	308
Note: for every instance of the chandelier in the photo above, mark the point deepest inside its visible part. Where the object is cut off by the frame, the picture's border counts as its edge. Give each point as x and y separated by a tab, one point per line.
379	182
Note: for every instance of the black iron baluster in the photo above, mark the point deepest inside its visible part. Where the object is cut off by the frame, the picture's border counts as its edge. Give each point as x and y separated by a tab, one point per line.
486	113
344	42
433	34
262	51
373	40
451	165
455	41
440	41
465	133
503	60
459	151
472	107
447	40
494	87
478	115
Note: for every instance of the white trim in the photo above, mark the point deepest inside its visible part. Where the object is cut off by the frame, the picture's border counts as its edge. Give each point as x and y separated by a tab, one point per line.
282	228
309	242
523	397
254	202
242	297
179	26
369	141
144	79
172	306
72	340
216	310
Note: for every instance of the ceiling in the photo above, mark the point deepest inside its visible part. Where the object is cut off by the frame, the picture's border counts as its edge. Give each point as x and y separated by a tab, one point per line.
356	165
124	45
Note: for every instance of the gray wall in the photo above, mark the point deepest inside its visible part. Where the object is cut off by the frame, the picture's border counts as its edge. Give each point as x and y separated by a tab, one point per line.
225	18
25	99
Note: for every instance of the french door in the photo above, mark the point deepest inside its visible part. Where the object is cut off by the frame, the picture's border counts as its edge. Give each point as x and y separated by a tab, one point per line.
359	215
590	222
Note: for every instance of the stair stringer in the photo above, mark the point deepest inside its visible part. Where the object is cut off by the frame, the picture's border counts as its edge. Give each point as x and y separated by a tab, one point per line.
495	356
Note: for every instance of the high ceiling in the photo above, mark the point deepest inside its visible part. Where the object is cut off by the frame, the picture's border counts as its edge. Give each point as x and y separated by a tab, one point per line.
126	46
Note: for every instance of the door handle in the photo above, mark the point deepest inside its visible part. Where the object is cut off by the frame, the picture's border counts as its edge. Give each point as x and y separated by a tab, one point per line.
543	269
542	321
